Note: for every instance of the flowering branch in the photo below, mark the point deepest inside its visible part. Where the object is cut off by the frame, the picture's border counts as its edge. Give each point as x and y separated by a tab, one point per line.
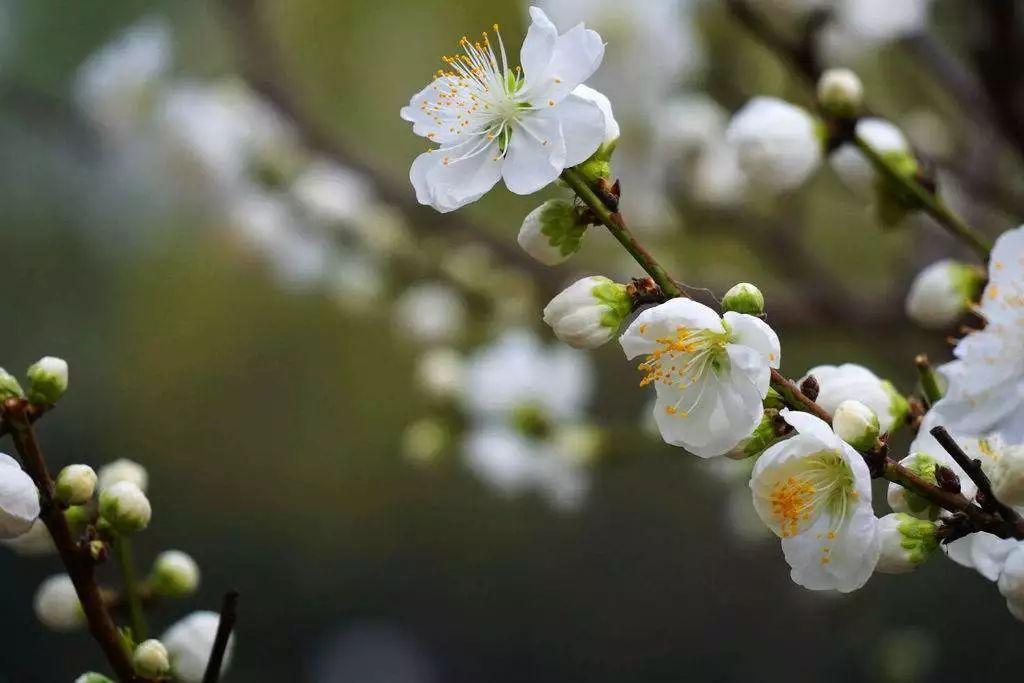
986	497
228	616
17	421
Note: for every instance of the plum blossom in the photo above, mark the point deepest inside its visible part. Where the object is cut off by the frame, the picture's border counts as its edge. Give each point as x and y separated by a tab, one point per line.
710	373
849	381
19	499
524	125
814	492
777	144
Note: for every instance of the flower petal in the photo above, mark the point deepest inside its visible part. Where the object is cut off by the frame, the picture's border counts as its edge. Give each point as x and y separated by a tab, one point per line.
449	186
583	125
535	155
577	54
539	46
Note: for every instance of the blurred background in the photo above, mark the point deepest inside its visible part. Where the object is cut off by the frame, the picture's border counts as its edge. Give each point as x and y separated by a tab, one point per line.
206	211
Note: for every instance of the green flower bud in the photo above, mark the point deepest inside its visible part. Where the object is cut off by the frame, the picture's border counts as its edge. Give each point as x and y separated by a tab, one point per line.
75	485
899	407
9	387
552	232
175	574
840	93
744	298
904	500
906	542
589	312
151	659
47	380
856	424
93	677
125	507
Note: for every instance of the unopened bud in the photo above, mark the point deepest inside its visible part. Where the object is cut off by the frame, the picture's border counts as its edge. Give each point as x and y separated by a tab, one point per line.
47	380
856	424
840	93
809	387
744	298
93	677
901	499
589	312
906	542
552	232
125	507
122	470
75	485
175	574
151	659
9	386
942	292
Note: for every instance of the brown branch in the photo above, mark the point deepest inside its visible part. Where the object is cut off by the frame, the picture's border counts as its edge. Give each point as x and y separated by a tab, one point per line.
228	617
972	467
999	64
17	419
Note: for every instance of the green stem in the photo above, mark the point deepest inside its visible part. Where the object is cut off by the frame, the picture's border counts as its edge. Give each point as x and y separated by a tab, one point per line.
929	381
617	227
126	563
931	203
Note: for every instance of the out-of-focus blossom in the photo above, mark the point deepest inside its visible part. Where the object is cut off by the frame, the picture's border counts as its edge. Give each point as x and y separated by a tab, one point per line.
777	143
943	292
56	604
849	163
430	313
189	643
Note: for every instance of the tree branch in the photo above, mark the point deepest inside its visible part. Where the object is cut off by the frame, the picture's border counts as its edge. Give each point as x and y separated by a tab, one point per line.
17	420
986	497
228	617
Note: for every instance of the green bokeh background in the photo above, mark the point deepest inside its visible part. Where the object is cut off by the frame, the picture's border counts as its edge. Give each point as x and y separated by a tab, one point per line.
271	422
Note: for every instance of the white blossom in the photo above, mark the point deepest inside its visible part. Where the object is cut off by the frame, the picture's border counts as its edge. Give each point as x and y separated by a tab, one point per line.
814	492
492	122
19	499
430	313
122	470
589	312
906	542
1011	578
849	381
849	163
440	372
35	542
189	643
56	604
174	574
777	143
856	424
711	373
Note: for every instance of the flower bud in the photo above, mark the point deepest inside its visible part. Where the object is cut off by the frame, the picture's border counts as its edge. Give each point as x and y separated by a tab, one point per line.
840	93
838	383
763	436
189	643
552	232
19	499
56	604
125	507
9	387
1008	476
47	380
589	312
744	298
778	145
942	292
75	485
151	659
856	424
901	499
122	470
906	542
175	574
93	677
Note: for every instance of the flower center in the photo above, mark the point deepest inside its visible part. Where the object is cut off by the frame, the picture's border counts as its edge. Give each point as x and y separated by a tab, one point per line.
824	483
686	359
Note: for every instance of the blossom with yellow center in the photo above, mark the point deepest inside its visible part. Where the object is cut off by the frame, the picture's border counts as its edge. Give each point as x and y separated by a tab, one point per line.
491	121
813	491
710	373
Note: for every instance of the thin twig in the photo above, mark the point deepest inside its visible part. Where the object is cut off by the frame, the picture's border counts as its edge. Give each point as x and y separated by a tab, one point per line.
929	382
972	467
228	616
17	419
126	564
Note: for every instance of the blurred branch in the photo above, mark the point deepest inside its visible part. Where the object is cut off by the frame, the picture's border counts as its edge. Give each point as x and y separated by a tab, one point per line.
228	617
261	68
1000	59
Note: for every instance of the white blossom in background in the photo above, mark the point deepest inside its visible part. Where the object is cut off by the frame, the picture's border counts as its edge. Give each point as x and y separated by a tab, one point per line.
718	178
332	194
1011	582
943	292
691	120
56	604
778	144
882	20
189	643
36	542
520	397
985	391
492	122
711	373
440	372
849	381
116	87
430	313
814	492
849	163
19	499
122	470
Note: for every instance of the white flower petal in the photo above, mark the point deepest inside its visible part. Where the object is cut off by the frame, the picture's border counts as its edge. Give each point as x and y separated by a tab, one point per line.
535	155
583	126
